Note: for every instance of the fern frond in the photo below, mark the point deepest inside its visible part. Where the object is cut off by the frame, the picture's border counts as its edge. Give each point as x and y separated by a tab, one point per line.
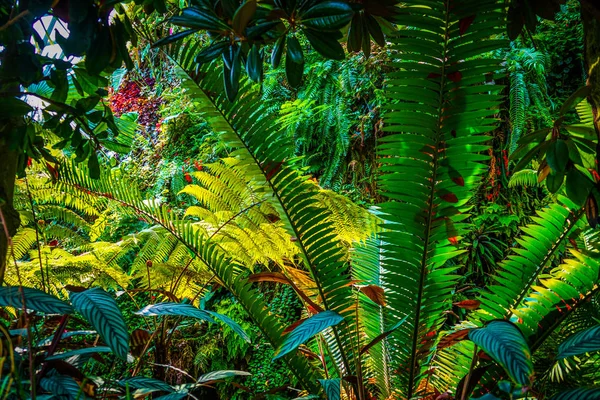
524	177
439	106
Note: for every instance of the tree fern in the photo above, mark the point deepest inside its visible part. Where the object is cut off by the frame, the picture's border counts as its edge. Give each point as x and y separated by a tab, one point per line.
439	106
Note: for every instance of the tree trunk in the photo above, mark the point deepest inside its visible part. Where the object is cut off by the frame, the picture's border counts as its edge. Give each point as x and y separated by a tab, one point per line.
8	172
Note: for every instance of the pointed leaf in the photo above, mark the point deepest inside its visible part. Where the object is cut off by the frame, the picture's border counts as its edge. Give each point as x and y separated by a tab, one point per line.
505	343
232	324
216	375
140	382
578	186
585	341
173	38
328	15
308	329
85	350
326	45
102	312
333	388
374	293
578	394
243	15
557	156
175	309
278	51
35	299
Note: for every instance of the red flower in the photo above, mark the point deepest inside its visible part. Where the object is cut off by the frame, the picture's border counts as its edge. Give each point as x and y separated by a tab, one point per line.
188	178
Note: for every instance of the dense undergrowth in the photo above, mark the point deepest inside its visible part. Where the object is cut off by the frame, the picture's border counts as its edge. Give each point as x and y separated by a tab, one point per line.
413	220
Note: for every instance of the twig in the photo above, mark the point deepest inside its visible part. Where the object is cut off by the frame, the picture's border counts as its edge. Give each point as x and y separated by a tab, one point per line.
23	301
14	20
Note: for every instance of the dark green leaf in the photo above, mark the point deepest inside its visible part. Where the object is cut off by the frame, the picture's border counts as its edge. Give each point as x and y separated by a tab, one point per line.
197	18
578	186
307	329
295	50
94	165
13	107
326	45
375	30
174	38
355	33
505	343
578	394
62	385
212	52
232	324
328	16
254	64
85	350
243	15
175	309
332	388
557	156
140	382
99	54
586	341
554	181
102	312
278	51
35	299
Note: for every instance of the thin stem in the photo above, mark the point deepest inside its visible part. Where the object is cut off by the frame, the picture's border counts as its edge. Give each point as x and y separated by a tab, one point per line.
37	231
23	301
464	394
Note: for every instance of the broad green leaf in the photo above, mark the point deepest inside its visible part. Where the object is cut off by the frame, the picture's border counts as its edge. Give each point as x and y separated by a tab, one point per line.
307	329
173	38
578	186
277	51
557	156
293	70
332	388
101	310
554	181
197	18
326	45
175	309
578	394
328	16
295	50
254	64
85	350
232	324
35	299
140	382
173	396
212	52
581	342
13	107
94	165
505	343
243	15
216	375
62	385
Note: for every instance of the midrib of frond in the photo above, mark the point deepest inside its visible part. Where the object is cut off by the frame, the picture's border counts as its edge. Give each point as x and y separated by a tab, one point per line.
439	107
430	211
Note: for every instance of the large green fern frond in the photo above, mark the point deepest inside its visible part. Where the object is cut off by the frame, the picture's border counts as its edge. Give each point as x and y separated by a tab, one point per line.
439	106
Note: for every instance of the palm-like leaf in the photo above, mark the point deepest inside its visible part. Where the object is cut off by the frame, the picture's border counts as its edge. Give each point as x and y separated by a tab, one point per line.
439	105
